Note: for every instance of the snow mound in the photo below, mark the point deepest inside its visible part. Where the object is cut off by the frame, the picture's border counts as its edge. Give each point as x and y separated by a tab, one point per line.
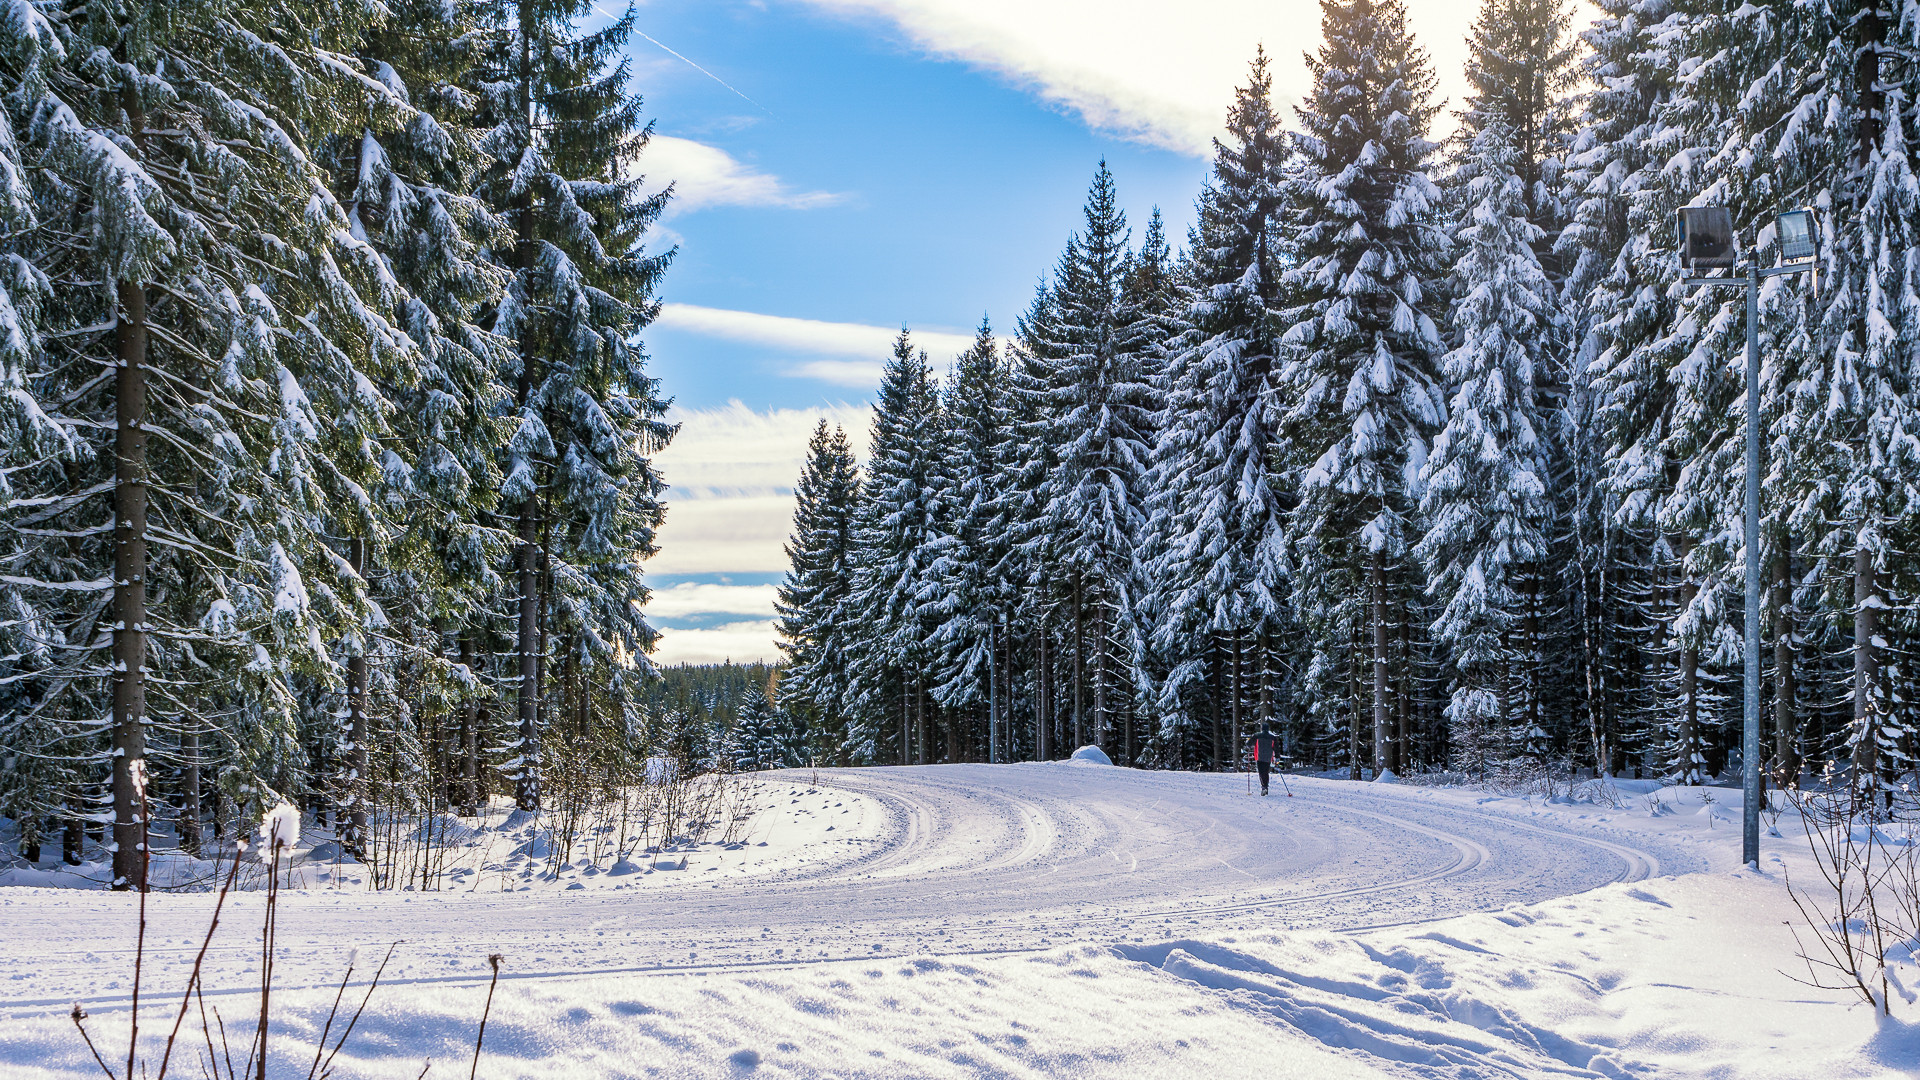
1092	755
1388	777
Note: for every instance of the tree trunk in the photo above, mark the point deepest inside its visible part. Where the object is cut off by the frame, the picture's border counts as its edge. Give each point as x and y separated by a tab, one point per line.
1866	675
1262	646
1354	715
357	734
1126	736
189	826
1219	692
1079	667
1042	690
1590	665
1382	711
1786	752
1866	758
1403	699
469	788
1238	685
130	579
526	788
543	584
1691	760
1099	675
1530	669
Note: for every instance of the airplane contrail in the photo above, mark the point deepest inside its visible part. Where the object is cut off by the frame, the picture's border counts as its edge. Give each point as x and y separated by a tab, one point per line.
705	72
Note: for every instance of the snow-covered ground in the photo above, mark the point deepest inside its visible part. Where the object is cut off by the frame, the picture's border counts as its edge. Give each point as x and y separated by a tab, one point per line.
1067	919
750	824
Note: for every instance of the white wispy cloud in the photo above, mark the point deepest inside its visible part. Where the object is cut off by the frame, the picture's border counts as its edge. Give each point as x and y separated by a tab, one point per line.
740	642
701	598
864	374
1160	71
867	346
705	176
732	472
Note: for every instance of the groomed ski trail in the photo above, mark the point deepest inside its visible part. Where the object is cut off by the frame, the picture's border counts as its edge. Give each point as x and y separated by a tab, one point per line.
968	860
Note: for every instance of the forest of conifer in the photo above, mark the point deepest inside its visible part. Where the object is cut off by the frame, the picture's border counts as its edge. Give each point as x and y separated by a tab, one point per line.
327	428
325	452
1419	449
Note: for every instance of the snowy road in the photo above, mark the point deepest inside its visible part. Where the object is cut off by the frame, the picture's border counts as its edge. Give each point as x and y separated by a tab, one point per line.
964	860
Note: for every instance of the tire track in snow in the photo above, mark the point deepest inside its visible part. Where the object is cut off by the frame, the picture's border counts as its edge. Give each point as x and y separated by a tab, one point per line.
973	860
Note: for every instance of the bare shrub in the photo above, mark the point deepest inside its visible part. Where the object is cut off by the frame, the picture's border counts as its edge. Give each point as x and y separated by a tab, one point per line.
1862	915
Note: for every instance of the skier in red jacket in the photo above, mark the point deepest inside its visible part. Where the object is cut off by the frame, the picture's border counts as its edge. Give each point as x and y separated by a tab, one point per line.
1263	744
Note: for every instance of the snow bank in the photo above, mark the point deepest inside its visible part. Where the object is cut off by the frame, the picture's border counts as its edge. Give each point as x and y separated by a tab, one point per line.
1031	921
1092	755
785	826
1678	978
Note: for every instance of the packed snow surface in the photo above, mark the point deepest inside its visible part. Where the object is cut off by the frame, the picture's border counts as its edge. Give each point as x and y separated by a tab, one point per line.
1035	920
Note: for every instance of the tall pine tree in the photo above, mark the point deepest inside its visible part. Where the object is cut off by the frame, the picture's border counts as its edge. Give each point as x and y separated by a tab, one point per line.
566	137
1484	495
1215	517
815	622
1098	415
1361	399
897	538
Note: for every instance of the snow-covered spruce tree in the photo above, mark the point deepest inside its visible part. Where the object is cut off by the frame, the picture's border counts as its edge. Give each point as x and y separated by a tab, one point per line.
1660	396
1614	293
1160	303
1732	58
1215	518
1874	401
240	330
1521	73
1826	114
1484	496
1098	414
1771	157
815	623
896	534
419	534
36	771
1028	459
1872	408
1357	388
972	598
565	138
756	743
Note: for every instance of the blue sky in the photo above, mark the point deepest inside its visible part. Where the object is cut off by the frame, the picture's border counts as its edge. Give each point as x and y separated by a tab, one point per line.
916	192
846	167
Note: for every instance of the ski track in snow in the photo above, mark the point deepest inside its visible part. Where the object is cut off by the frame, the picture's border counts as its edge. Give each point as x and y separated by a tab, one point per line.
961	860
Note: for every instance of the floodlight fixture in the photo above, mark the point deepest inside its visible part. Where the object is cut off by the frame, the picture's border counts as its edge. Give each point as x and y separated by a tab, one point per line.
1705	237
1794	229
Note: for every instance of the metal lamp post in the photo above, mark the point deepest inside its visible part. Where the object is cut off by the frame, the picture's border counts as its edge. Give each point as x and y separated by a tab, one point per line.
1706	241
